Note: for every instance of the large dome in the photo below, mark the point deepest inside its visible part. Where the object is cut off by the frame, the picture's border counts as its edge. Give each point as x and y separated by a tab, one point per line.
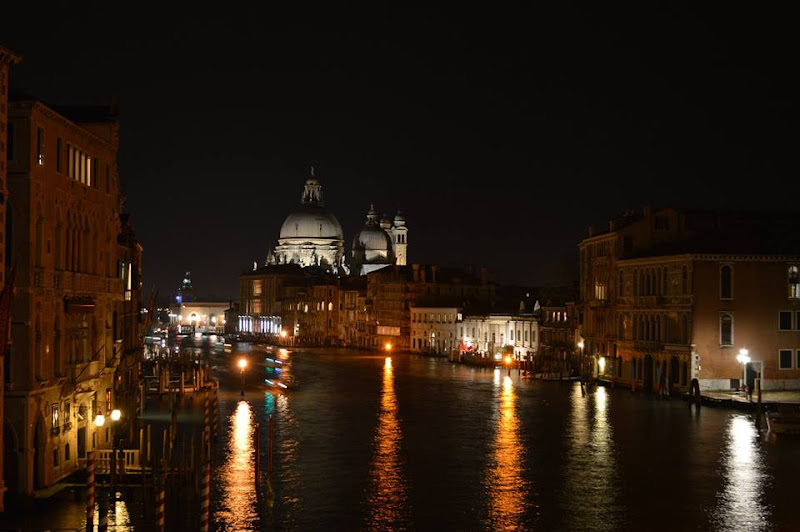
311	222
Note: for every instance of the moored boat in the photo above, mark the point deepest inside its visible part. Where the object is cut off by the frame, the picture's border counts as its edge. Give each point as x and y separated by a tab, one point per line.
784	422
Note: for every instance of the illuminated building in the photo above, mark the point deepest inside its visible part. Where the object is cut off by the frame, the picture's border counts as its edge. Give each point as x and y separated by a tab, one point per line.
311	235
77	284
675	294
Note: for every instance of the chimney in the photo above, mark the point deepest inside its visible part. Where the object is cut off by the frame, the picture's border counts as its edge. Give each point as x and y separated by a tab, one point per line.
483	274
591	230
422	273
612	225
433	274
415	267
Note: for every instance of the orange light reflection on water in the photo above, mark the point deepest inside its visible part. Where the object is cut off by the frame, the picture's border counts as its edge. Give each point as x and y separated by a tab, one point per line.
506	487
238	503
387	499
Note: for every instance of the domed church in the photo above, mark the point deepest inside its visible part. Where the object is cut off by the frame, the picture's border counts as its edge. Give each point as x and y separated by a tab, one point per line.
310	236
379	244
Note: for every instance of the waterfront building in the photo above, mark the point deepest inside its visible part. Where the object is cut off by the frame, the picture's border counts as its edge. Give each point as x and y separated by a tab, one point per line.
200	316
352	311
559	338
434	327
260	304
678	294
494	334
75	283
310	308
7	58
392	291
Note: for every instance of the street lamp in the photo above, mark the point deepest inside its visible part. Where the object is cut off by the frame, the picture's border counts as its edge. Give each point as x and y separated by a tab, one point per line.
508	364
242	366
744	359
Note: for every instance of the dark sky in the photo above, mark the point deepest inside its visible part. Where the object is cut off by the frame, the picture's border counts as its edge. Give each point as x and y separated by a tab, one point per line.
502	136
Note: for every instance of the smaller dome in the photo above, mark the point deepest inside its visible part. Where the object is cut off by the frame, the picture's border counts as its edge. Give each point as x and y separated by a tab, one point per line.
399	219
372	238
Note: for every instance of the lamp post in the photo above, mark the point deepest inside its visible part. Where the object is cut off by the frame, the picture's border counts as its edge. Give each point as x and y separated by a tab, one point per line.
283	336
242	366
583	361
744	359
115	416
508	364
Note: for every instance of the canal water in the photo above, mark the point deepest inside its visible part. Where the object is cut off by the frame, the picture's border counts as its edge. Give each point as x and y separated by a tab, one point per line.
365	442
362	441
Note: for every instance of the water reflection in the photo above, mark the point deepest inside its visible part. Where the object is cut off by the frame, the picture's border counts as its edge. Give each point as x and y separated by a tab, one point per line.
740	505
238	502
591	469
387	501
504	482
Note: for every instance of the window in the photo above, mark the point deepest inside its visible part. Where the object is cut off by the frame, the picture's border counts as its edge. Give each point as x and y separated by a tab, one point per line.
661	223
794	283
40	146
257	287
54	415
785	359
726	330
726	282
621	287
664	283
684	280
785	320
55	456
600	290
66	453
59	155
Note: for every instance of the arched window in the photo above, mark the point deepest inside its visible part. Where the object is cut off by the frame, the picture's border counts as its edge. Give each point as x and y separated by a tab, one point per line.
726	282
635	283
621	285
664	281
726	329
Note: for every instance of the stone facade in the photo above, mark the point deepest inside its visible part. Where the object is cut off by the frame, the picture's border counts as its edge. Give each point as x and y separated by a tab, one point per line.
75	284
674	295
7	58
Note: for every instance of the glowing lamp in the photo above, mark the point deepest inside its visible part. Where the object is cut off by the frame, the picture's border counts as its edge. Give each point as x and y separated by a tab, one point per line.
242	363
602	364
99	420
115	415
388	346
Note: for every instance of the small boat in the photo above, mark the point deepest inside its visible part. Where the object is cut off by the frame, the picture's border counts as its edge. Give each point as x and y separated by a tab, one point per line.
784	422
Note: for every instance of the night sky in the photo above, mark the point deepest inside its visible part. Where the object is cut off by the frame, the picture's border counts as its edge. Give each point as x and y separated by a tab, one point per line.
501	136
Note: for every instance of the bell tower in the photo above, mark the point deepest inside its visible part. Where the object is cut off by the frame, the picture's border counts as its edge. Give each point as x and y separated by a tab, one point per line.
400	239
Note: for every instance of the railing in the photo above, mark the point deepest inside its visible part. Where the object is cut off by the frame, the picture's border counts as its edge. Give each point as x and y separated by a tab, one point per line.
128	461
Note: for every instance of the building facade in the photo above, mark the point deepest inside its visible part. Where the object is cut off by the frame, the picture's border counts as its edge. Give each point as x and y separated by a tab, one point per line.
676	295
7	58
71	284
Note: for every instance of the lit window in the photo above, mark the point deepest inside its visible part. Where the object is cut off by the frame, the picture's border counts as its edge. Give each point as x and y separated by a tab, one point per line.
794	283
55	416
40	146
